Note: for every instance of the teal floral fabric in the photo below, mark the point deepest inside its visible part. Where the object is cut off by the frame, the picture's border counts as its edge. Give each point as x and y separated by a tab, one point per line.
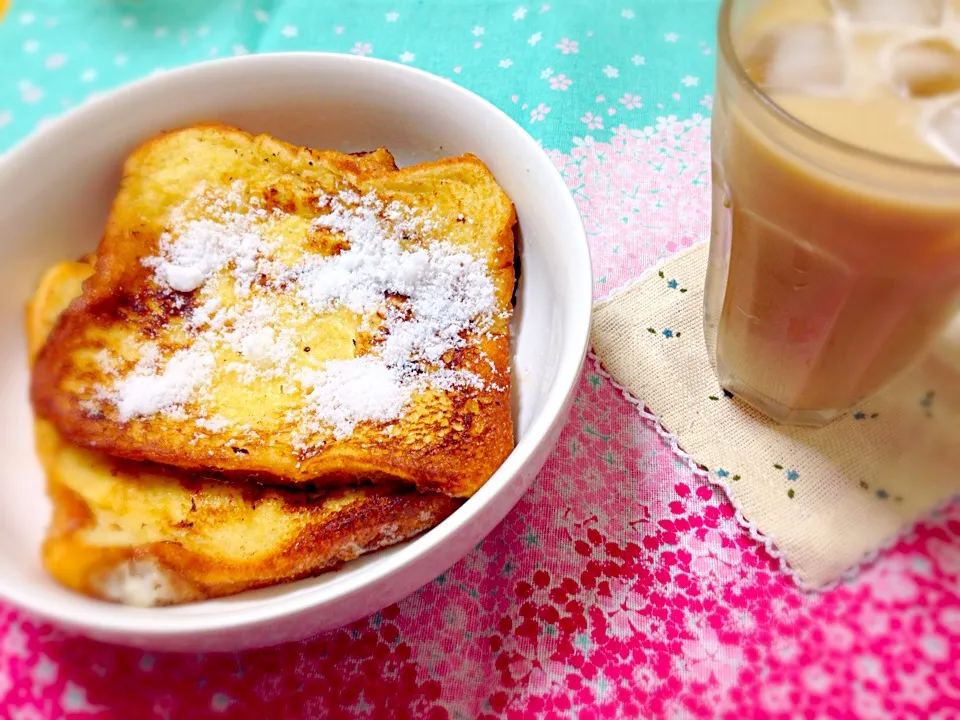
558	68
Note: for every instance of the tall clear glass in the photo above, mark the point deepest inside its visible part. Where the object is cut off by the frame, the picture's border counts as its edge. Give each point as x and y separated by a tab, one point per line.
831	267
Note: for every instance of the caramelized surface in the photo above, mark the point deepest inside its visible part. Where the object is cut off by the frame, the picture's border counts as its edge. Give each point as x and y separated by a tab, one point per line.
448	439
148	535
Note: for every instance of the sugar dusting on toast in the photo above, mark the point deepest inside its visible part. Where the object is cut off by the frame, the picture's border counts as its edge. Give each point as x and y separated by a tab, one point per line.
421	296
444	291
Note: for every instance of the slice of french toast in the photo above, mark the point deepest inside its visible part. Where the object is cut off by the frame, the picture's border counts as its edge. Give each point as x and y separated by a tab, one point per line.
270	312
142	534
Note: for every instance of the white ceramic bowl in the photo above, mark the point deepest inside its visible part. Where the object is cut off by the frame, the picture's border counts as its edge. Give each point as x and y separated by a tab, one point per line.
55	190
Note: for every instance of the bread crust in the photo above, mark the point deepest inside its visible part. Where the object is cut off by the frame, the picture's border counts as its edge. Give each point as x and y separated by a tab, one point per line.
144	534
448	441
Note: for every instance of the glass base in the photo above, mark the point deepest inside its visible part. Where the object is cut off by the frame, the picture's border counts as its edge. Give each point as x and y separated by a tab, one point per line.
776	411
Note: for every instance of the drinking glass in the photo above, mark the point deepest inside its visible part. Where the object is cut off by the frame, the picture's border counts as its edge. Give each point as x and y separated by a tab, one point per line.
831	267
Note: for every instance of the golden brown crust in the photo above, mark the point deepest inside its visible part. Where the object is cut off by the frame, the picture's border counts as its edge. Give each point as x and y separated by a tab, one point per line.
449	442
226	540
143	534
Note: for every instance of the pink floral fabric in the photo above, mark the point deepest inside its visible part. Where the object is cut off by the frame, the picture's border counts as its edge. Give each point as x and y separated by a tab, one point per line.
620	586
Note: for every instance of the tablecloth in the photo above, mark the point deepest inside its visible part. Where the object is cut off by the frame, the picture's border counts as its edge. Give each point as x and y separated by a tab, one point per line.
621	585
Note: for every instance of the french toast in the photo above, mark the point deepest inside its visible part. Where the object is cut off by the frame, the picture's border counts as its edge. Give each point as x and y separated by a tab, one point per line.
267	312
147	535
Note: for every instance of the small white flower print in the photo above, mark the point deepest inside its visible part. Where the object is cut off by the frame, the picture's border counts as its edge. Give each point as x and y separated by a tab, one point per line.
203	31
630	102
534	39
627	13
593	122
520	13
477	31
567	46
5	117
26	18
689	81
671	37
361	48
505	63
707	102
589	33
600	98
665	123
539	112
31	46
611	111
338	30
239	49
261	15
477	45
638	60
88	75
407	57
545	73
560	82
289	31
128	21
160	31
457	69
544	8
29	92
120	59
611	72
392	16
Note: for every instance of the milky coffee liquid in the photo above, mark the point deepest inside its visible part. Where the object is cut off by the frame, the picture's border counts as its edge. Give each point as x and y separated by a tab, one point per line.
832	268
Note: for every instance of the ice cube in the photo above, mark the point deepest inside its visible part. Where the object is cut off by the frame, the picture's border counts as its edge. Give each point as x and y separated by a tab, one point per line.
801	57
926	68
943	130
900	13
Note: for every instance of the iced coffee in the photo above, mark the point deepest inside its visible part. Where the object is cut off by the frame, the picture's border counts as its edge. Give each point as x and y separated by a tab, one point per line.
835	246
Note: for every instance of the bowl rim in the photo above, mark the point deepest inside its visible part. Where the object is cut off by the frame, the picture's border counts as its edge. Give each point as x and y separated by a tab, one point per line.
149	623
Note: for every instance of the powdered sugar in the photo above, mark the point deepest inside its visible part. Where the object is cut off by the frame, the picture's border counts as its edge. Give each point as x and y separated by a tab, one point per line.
216	238
198	248
439	292
257	335
345	392
373	265
140	582
421	296
147	390
214	424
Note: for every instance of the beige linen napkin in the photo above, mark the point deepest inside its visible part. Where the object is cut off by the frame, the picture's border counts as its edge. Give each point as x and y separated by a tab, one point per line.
825	499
